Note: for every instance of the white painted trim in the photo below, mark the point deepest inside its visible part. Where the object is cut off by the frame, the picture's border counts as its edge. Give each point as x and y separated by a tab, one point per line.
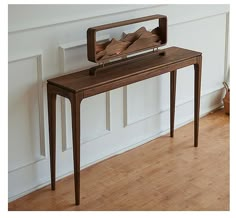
197	19
10	199
96	14
26	165
108	111
129	123
125	107
25	56
226	62
147	9
65	124
41	117
41	105
82	42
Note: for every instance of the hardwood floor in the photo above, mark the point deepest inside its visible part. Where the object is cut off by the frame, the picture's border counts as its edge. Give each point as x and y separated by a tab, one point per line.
164	174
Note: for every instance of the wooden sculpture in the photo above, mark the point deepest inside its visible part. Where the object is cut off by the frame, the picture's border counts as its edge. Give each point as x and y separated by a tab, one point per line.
131	43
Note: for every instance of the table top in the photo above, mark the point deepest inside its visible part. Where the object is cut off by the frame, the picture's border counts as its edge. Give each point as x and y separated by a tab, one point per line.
81	80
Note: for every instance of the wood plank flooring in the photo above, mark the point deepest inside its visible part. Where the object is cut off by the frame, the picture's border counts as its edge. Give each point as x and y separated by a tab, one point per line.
164	174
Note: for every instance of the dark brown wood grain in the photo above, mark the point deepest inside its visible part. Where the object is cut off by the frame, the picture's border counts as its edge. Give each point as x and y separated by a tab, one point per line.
197	96
174	58
79	85
52	132
173	75
75	111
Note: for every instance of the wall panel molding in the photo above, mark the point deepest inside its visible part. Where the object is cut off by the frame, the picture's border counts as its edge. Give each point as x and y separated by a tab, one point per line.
15	27
179	104
92	13
17	57
41	116
227	49
66	142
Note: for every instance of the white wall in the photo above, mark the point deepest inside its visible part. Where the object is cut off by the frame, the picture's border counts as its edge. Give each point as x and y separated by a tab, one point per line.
47	41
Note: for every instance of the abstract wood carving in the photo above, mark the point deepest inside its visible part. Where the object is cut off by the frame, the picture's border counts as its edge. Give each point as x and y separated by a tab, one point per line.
129	43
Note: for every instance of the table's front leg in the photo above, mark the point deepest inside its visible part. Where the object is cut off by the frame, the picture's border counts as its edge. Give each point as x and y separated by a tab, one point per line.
197	95
75	110
51	95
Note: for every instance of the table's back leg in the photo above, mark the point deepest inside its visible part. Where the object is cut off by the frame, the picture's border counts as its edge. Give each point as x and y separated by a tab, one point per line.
173	75
197	95
75	110
52	132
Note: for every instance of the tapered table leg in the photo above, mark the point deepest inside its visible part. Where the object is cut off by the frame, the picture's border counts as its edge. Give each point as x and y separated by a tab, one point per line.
52	132
197	95
75	110
172	100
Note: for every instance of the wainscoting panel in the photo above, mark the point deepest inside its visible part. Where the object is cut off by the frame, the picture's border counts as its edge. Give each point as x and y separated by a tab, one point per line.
25	95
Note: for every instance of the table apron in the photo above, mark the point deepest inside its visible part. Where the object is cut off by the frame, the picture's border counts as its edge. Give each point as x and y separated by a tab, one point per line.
139	77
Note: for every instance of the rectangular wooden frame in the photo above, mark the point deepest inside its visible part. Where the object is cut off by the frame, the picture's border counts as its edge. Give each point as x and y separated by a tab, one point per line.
91	35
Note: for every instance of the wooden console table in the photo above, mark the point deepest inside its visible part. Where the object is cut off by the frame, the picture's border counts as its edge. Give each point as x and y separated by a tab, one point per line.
80	85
